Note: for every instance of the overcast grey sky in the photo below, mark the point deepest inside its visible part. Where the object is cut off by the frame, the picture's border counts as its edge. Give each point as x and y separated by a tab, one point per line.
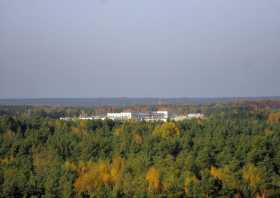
139	48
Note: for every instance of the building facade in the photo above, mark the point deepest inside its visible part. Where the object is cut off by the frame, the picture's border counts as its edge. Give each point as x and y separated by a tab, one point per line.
195	116
119	116
142	116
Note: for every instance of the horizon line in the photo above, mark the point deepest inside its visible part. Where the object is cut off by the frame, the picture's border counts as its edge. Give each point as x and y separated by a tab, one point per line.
144	97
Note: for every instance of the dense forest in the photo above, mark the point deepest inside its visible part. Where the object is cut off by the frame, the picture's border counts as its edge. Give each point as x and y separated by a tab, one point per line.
233	152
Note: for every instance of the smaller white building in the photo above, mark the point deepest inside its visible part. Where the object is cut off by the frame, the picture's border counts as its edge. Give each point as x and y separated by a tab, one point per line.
195	116
119	116
86	118
180	118
66	118
153	116
99	117
149	116
163	115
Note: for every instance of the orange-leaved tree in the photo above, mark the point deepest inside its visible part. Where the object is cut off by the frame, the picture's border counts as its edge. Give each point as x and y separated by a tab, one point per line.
225	175
273	117
167	129
253	176
92	176
190	180
153	179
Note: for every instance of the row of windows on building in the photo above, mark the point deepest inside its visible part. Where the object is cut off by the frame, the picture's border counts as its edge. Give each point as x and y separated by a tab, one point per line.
141	116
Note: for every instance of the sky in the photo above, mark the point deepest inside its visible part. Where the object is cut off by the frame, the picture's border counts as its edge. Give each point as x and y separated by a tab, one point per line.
139	48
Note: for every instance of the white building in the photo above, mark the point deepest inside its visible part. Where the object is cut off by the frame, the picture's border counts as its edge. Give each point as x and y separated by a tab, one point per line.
66	118
156	116
119	116
179	118
149	116
86	118
152	116
195	115
122	116
164	114
98	117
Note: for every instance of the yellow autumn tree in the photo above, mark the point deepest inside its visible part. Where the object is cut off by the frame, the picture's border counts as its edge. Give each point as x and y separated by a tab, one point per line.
167	129
190	180
81	129
261	195
93	175
153	179
8	136
168	181
118	131
7	160
70	166
116	170
225	175
137	138
88	182
104	172
273	117
252	175
58	124
83	124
